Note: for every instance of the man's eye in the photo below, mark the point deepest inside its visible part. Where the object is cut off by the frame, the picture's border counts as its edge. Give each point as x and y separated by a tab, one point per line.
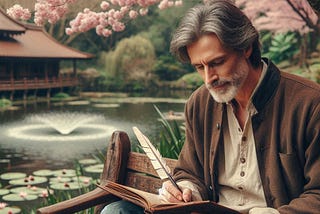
199	67
215	63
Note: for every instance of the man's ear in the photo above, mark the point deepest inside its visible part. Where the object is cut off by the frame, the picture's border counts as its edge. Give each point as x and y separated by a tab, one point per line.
248	52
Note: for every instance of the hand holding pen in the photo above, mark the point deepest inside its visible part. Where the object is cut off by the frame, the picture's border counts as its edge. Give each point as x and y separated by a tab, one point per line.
171	194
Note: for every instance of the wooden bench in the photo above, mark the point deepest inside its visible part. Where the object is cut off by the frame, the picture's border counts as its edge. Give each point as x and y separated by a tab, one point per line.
122	166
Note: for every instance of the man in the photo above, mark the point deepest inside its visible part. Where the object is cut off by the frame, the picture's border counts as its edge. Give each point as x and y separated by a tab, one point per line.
252	131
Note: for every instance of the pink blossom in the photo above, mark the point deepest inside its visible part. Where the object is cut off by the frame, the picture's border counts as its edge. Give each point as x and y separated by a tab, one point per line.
133	14
106	32
69	31
178	3
168	3
118	26
18	12
104	5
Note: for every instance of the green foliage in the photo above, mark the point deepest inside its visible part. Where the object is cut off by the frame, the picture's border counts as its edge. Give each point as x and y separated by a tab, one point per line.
311	72
132	61
282	46
189	81
168	68
61	96
171	138
4	103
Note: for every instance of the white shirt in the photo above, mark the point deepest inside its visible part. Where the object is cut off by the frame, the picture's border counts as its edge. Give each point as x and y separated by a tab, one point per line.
240	186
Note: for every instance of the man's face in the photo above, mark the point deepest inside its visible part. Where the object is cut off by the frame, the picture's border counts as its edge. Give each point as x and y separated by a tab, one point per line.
223	70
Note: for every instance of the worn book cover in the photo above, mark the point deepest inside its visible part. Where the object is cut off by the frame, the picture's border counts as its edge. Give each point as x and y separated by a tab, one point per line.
152	203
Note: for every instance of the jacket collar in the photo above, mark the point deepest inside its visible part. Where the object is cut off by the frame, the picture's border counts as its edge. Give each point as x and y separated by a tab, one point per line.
267	87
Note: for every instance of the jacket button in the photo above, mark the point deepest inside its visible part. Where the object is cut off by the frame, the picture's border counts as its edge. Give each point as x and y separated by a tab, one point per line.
218	126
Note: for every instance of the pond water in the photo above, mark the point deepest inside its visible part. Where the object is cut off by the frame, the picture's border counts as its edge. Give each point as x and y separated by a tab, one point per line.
53	135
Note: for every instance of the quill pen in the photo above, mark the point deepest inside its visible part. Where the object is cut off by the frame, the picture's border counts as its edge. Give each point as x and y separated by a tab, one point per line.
155	157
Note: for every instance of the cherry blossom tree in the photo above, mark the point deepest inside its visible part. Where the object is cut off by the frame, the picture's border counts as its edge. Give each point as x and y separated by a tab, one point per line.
111	18
281	15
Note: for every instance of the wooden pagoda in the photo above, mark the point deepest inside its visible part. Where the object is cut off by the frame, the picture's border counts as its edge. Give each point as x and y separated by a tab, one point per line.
30	60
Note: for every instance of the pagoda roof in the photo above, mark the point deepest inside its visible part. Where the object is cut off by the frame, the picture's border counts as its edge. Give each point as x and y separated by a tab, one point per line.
32	42
9	25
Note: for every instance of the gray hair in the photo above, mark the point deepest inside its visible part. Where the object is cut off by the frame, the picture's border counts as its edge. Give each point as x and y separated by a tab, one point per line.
225	20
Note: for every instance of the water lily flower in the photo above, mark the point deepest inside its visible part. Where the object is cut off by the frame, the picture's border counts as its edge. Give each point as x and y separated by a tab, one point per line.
3	205
34	188
23	194
44	193
86	181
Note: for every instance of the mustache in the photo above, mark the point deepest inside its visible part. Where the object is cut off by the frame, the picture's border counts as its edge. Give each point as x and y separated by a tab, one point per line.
216	83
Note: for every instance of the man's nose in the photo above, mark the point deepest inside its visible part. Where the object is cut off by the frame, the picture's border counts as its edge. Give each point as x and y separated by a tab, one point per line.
209	74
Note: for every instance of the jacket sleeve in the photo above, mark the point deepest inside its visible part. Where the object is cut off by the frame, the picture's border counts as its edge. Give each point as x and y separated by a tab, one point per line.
190	166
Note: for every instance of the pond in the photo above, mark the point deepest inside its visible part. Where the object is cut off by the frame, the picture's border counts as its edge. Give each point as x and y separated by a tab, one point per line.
53	135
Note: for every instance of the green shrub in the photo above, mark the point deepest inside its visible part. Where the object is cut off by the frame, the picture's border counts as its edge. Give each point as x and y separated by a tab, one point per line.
133	60
190	81
61	95
283	47
171	137
4	103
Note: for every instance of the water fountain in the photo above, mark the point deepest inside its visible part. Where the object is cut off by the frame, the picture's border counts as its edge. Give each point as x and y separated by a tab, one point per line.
58	134
65	126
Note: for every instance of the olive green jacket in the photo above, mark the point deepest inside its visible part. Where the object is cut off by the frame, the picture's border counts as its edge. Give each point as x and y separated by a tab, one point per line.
287	136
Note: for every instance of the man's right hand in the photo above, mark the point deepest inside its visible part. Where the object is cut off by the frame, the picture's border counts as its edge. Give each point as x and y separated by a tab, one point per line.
171	194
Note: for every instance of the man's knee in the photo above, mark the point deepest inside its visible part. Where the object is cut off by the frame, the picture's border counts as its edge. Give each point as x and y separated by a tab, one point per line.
121	207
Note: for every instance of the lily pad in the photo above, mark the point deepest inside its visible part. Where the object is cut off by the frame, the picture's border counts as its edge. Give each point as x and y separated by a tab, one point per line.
88	161
68	186
43	172
31	180
102	105
83	179
59	180
19	197
65	173
79	102
5	161
30	190
13	210
98	168
4	192
12	175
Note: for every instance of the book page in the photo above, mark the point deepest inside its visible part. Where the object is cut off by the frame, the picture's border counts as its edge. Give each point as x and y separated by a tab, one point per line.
139	197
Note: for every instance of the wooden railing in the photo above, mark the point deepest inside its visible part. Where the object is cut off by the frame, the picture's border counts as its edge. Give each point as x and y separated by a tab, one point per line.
26	84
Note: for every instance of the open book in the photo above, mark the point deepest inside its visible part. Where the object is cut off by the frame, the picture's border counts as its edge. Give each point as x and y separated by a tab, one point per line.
152	203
